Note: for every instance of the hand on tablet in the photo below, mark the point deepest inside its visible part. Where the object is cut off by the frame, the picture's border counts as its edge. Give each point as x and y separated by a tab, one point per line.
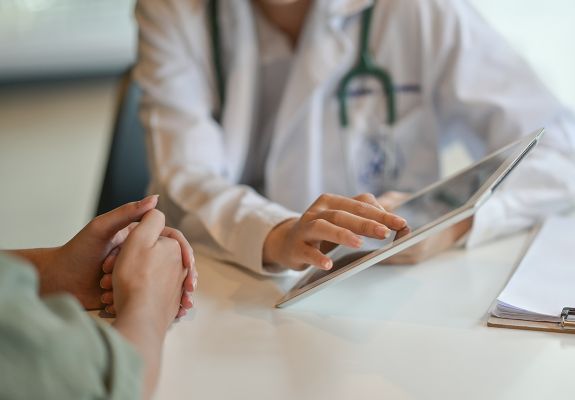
429	247
329	221
433	245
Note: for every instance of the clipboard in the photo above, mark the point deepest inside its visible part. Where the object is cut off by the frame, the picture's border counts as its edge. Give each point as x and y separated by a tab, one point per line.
567	317
567	324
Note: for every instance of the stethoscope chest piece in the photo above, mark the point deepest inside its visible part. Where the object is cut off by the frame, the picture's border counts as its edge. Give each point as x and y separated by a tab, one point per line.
371	157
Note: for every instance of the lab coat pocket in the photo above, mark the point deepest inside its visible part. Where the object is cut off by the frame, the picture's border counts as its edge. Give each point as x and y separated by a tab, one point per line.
377	153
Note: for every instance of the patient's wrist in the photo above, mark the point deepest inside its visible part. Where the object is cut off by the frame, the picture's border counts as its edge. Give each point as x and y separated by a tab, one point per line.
44	261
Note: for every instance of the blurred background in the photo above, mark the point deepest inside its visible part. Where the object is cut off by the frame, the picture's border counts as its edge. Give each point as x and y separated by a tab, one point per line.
60	63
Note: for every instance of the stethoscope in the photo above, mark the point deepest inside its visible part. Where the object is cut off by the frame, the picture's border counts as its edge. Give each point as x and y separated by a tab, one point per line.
381	157
365	67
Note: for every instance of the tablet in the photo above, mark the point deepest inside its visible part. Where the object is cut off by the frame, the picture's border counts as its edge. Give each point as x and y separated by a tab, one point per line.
427	212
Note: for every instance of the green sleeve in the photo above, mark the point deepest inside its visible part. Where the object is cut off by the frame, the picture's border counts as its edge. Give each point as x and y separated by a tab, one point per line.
51	349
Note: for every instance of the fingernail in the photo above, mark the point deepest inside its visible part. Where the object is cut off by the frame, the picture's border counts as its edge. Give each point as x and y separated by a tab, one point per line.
382	232
327	264
194	278
400	221
147	200
356	242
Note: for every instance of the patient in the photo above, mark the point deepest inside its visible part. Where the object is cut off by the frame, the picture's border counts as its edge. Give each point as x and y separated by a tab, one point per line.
52	350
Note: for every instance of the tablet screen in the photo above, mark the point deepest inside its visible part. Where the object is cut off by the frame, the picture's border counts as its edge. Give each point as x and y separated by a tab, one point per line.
426	208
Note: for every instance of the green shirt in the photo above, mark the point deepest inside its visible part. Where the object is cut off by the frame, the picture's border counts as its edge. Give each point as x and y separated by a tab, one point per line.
51	349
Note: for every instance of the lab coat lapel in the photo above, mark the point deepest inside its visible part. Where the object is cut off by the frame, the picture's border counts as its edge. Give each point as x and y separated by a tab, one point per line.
241	83
326	49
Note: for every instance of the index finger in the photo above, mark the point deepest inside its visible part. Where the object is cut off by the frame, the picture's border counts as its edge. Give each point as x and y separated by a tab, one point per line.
366	210
149	229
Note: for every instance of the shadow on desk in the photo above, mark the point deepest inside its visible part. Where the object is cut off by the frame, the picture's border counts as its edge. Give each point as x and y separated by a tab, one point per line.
360	299
454	289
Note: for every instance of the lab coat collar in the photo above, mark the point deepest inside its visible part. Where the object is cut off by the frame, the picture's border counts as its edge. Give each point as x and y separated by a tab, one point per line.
326	48
242	83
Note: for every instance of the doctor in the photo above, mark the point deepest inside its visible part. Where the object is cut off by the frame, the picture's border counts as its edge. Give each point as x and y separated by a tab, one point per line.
250	121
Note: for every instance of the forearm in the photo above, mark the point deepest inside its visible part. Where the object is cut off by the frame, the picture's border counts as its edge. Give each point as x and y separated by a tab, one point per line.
205	203
45	260
144	332
39	258
274	240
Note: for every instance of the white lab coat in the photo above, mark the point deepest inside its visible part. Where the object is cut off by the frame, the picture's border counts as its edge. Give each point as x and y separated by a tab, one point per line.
472	87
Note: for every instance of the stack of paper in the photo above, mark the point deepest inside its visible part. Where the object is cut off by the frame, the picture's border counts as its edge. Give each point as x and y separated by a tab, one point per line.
544	282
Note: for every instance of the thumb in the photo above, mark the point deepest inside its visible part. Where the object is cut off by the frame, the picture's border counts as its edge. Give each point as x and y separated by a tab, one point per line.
108	224
148	231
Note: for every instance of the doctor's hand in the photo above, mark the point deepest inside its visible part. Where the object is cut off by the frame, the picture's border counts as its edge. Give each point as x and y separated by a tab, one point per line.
431	246
330	221
427	248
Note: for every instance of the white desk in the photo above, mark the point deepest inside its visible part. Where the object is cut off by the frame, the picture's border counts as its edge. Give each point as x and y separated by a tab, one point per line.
389	332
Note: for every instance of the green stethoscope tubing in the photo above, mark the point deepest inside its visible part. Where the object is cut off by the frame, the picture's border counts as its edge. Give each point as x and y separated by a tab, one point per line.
364	67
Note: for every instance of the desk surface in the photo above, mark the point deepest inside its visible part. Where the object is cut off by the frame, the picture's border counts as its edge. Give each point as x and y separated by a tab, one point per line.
413	332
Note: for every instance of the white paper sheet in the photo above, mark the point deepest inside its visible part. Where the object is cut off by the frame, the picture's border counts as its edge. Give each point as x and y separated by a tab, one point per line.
544	281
